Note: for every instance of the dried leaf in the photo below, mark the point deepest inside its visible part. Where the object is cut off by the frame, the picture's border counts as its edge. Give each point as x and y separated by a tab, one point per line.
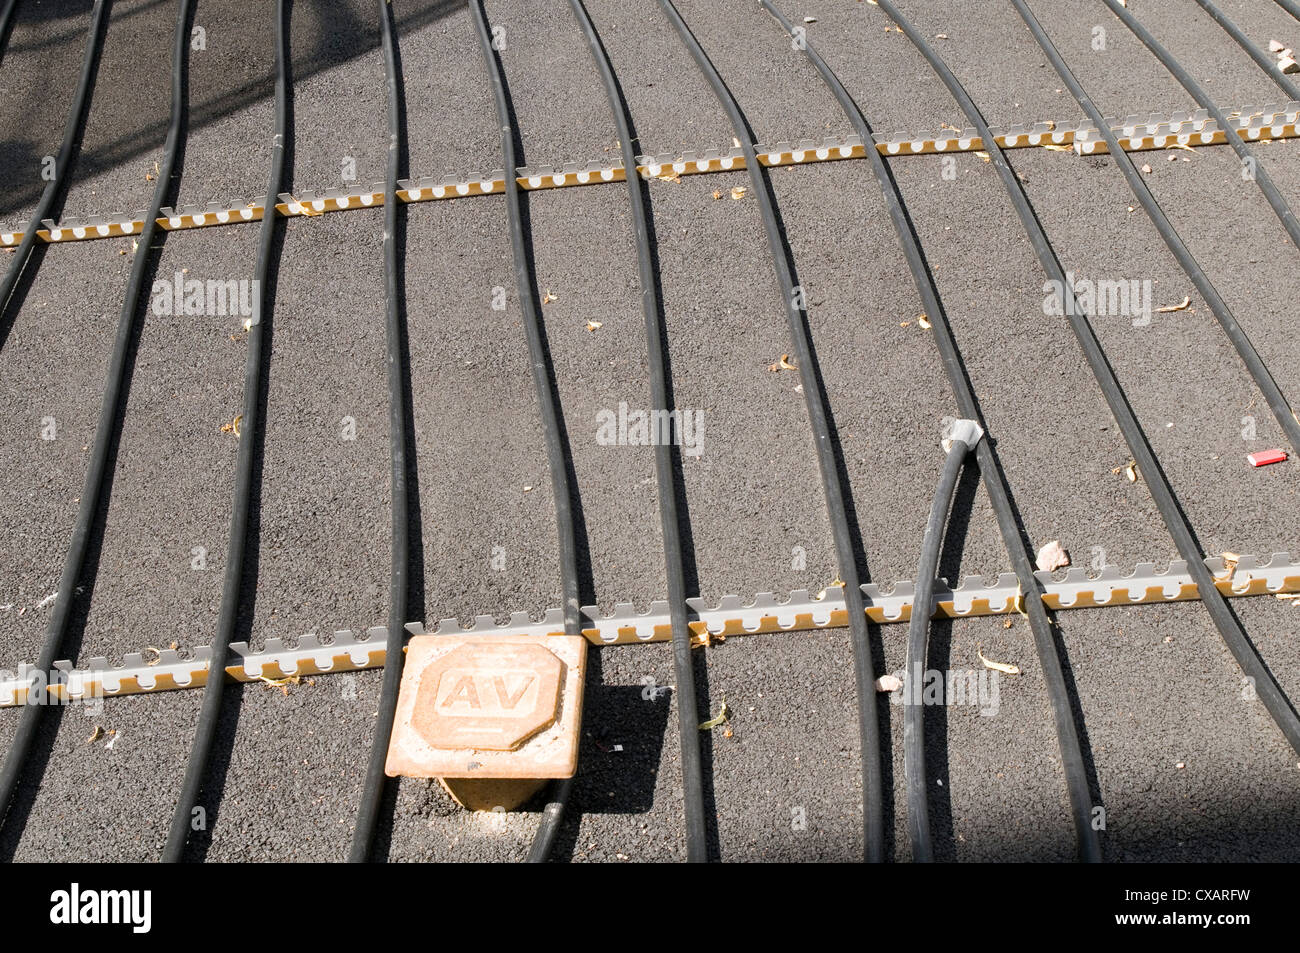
1146	168
831	585
669	176
1230	561
888	683
1054	148
717	194
593	325
95	735
984	156
782	365
1004	667
738	192
1052	557
548	297
924	322
1182	305
724	714
281	683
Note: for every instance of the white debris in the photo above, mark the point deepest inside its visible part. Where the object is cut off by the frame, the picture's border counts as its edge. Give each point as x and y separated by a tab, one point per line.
888	683
1052	556
1288	65
1275	47
47	600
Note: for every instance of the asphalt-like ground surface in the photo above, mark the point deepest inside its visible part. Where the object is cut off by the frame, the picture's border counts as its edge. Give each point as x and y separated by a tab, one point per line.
1187	766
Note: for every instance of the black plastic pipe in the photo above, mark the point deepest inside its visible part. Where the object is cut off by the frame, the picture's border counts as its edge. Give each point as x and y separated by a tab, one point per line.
6	24
547	400
995	484
116	383
1259	174
232	591
665	475
918	633
1261	58
397	360
815	401
1291	7
1259	372
63	162
1234	636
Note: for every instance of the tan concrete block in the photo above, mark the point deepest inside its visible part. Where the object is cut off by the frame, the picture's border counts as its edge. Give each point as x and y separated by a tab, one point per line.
489	707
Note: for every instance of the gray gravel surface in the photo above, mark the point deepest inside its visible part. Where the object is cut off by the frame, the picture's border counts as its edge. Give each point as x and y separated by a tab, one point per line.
1186	764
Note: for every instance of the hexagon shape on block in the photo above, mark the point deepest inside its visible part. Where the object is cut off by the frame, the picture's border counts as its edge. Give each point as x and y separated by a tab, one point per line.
489	707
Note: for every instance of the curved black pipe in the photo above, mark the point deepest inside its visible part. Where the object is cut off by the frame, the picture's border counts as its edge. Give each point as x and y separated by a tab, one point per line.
547	400
665	476
1291	7
1234	636
63	162
1258	55
116	384
1259	173
1255	366
918	632
232	592
815	401
396	358
995	484
6	23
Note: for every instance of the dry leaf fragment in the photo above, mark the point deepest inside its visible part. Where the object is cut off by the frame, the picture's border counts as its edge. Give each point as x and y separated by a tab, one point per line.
983	155
888	683
724	715
735	143
95	735
782	365
669	177
1146	168
281	683
831	585
593	325
1051	556
738	192
1054	148
1229	565
1181	306
548	297
924	322
717	194
1179	145
1129	470
1004	667
1275	47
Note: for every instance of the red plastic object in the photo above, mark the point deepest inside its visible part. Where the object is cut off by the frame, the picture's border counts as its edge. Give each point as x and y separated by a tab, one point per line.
1264	457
